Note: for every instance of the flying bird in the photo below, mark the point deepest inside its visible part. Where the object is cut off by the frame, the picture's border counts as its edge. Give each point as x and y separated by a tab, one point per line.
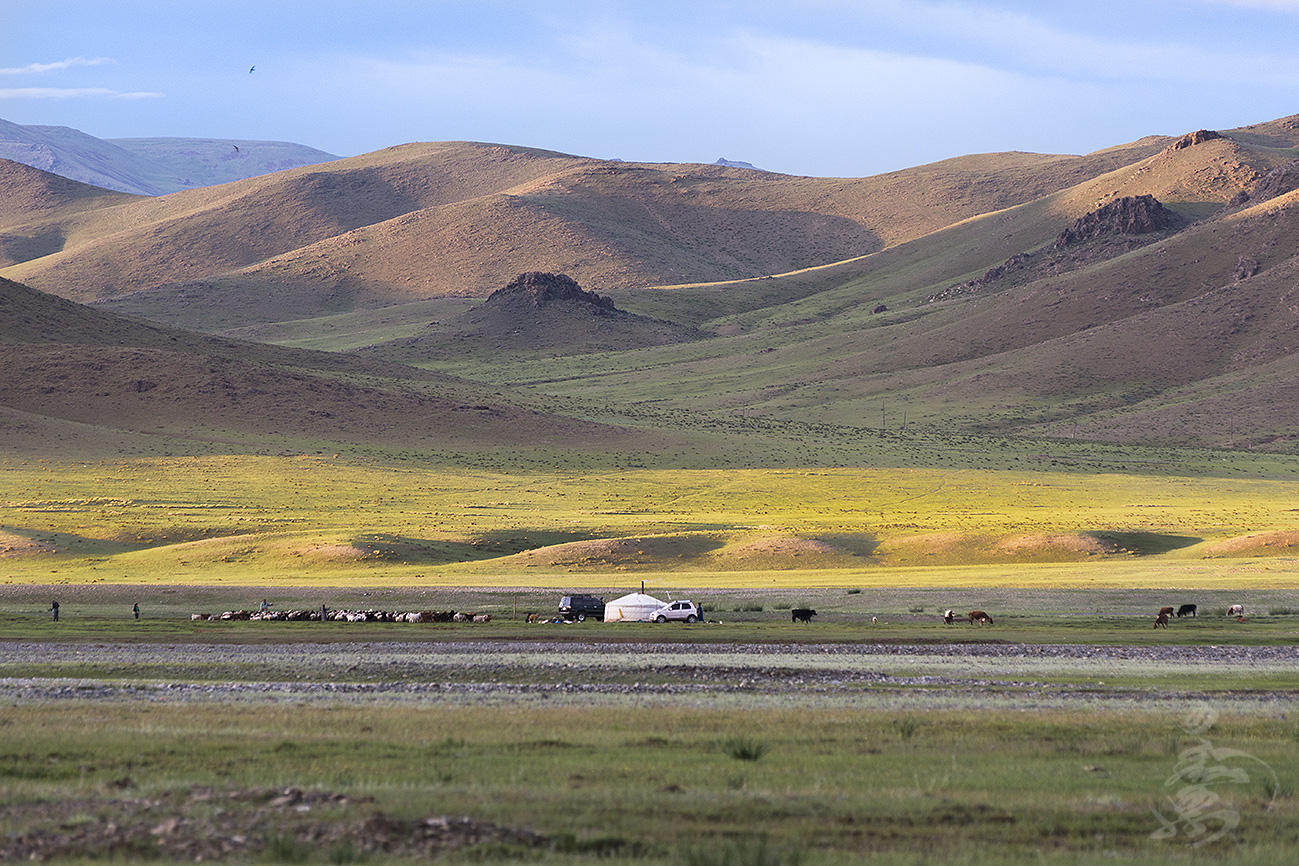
250	69
236	148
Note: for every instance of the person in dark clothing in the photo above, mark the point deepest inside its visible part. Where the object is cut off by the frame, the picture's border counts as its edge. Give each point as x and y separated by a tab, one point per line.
135	609
54	607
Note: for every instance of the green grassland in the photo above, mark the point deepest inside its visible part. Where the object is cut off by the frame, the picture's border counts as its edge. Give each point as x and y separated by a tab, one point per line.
652	784
316	520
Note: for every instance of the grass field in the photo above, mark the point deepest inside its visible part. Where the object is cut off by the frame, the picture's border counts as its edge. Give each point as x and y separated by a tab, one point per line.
1070	732
640	753
316	520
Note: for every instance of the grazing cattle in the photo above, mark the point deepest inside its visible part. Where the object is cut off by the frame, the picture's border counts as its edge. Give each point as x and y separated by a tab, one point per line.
1236	610
980	617
801	614
949	616
532	617
1162	619
1186	610
482	617
459	617
1165	610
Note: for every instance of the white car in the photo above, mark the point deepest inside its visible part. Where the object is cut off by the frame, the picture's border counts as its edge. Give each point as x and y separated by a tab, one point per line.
685	611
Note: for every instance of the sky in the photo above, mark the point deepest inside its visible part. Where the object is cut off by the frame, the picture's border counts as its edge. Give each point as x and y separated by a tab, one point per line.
820	87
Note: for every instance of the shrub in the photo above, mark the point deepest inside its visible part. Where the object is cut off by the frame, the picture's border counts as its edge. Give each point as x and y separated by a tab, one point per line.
744	748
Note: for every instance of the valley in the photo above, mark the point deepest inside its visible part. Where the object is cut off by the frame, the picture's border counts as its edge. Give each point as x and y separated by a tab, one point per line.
1058	389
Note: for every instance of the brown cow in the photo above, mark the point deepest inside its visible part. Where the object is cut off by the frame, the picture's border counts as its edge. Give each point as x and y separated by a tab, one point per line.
1162	619
532	617
1166	610
980	617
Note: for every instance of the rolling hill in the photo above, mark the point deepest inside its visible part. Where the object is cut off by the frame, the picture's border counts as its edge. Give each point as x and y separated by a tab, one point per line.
1140	294
79	381
426	220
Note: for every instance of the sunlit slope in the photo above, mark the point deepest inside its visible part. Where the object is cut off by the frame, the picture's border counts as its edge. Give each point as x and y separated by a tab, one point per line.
320	520
132	247
460	218
1179	321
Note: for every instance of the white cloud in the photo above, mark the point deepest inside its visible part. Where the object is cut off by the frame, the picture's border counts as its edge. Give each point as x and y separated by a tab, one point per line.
1032	43
36	68
73	93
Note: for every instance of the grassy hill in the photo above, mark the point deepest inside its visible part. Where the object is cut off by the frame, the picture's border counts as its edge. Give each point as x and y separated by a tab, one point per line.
80	381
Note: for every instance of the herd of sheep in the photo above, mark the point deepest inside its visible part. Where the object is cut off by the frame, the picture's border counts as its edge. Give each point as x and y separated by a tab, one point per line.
324	614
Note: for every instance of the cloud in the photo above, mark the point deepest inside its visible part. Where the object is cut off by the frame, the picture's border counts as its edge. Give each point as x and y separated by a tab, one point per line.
36	68
73	93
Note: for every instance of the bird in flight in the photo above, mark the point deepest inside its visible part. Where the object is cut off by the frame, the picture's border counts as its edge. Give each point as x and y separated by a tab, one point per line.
250	69
236	148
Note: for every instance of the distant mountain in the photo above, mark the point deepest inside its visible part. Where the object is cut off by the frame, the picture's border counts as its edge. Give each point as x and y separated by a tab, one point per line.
148	166
735	163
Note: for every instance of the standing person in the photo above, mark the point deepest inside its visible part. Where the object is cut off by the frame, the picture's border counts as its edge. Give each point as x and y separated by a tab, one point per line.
324	614
54	607
265	606
135	609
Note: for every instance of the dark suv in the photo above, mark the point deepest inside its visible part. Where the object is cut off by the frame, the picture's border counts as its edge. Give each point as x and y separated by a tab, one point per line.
579	607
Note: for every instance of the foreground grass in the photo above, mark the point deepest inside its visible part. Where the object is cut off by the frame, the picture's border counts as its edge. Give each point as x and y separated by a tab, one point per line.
665	784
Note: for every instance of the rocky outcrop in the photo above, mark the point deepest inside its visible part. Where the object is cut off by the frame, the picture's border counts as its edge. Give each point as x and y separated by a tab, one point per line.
1113	229
1277	182
538	289
1130	215
1191	139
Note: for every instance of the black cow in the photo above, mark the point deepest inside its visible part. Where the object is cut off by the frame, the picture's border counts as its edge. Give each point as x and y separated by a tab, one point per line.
802	614
1186	610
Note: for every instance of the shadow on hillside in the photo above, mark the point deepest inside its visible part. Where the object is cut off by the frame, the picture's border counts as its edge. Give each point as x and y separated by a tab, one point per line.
856	543
492	544
24	541
1149	543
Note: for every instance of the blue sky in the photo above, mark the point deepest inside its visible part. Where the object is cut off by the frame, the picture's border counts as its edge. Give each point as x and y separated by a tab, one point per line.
822	87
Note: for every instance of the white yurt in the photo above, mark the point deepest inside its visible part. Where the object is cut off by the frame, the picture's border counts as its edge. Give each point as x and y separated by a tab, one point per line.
633	607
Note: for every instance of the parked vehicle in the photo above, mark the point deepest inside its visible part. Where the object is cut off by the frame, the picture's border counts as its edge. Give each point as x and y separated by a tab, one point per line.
682	611
579	607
